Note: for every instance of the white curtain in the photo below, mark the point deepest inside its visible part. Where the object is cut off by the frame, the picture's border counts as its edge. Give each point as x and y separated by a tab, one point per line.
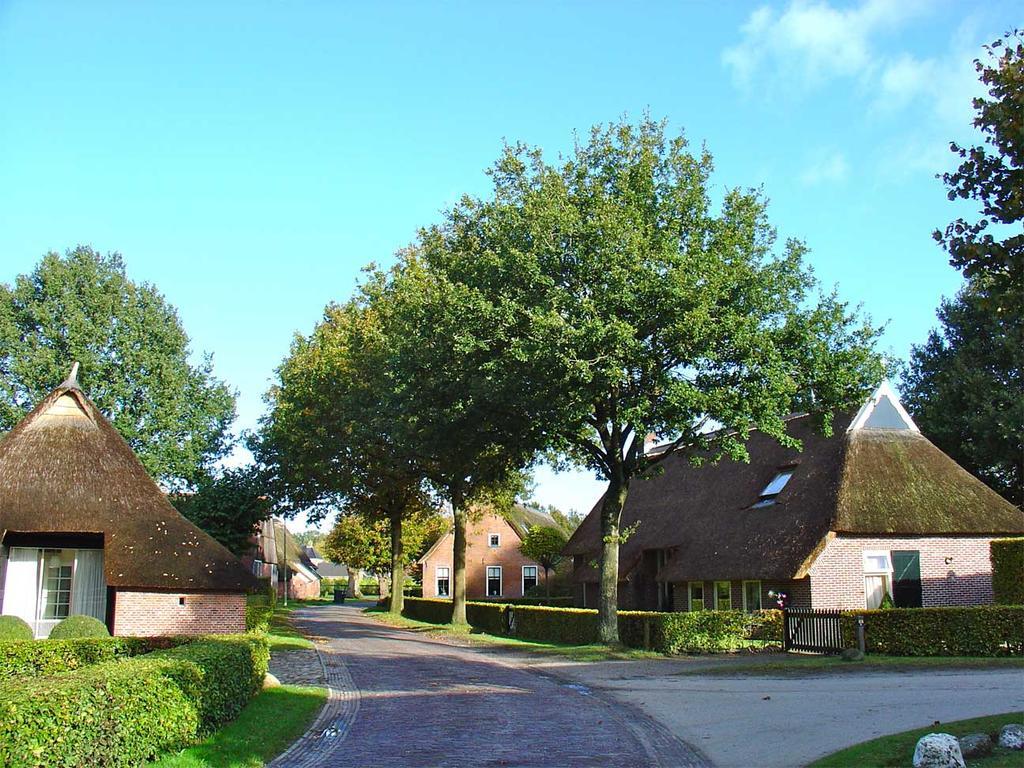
874	590
21	585
88	587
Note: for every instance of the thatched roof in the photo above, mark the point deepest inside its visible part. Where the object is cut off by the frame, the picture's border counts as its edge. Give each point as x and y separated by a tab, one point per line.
867	481
523	518
64	469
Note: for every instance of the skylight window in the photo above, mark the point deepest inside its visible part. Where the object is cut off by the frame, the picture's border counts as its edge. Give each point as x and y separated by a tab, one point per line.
774	488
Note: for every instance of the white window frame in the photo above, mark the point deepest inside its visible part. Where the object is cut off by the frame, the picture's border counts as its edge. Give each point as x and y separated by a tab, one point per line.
487	581
437	578
689	595
776	486
760	606
496	538
257	567
873	571
536	577
715	595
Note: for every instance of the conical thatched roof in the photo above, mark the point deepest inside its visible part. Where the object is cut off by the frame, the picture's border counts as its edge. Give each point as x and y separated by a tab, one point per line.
65	470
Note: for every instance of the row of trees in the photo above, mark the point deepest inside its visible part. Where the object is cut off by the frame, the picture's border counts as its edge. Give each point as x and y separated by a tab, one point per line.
581	306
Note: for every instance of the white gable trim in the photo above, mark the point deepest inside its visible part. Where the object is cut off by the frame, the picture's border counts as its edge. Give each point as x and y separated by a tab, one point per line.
884	392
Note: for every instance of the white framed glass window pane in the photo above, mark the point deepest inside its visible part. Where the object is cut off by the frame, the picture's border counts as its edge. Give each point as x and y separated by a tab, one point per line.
752	595
494	540
494	581
55	603
696	596
529	577
723	595
443	582
877	562
774	488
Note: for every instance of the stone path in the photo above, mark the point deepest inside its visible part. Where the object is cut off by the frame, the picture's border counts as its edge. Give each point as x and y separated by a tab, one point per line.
301	666
400	699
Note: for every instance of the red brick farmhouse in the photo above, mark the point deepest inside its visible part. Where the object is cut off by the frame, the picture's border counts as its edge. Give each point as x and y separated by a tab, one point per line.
873	509
85	530
495	568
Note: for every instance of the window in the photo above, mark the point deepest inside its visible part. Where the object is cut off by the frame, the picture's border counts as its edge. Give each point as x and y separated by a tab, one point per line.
774	488
529	577
696	595
444	582
877	578
494	581
57	566
494	540
723	596
257	567
751	596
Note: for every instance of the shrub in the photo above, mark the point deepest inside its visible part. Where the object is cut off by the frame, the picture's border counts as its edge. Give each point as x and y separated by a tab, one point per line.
571	626
78	627
426	609
121	713
327	586
369	588
14	628
765	625
487	617
990	630
50	657
258	611
1007	557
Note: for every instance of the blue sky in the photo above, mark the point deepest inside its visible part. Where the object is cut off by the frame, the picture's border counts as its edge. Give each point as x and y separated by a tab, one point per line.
248	158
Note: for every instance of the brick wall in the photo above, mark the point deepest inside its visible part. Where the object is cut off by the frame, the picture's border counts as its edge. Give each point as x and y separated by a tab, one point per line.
479	555
178	613
837	575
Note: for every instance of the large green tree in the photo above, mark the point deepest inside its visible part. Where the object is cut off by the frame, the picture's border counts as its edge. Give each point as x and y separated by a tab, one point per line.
965	389
134	357
229	506
465	369
651	309
333	439
990	248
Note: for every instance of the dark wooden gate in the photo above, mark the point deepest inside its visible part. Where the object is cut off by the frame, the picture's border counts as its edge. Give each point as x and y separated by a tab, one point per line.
816	631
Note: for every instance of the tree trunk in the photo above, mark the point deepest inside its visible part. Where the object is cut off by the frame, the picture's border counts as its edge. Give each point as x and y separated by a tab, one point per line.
355	578
608	591
459	568
547	583
383	584
397	565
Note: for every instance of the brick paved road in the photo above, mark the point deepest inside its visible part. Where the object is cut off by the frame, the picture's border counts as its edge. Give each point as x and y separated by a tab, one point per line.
400	699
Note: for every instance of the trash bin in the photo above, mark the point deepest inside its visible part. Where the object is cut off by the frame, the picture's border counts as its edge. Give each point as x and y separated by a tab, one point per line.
340	593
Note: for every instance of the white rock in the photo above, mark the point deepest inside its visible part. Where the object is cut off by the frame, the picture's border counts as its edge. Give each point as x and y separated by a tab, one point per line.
1011	736
269	681
938	750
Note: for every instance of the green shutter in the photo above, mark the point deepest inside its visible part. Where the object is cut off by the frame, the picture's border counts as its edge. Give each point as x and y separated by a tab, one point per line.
906	590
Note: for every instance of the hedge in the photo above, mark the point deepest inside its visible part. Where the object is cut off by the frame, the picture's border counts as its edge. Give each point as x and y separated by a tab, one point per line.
51	657
988	630
1007	557
14	628
123	712
551	602
76	627
258	611
427	609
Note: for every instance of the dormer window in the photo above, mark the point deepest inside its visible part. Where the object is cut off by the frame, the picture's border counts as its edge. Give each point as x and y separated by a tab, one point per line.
774	488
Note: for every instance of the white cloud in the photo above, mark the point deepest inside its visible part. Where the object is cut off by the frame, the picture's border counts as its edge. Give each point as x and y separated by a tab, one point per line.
811	42
828	169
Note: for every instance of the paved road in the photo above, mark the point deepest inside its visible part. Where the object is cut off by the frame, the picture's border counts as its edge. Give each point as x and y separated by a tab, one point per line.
401	699
750	720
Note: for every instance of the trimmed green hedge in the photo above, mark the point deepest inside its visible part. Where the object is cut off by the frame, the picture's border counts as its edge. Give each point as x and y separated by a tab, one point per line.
488	617
14	628
426	609
76	627
258	611
51	657
1007	557
123	712
551	602
986	630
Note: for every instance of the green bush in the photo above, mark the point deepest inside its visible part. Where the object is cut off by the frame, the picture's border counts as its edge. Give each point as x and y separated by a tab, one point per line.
989	630
765	625
258	611
327	586
487	617
1007	557
50	657
571	626
426	609
123	712
369	588
551	602
79	627
14	628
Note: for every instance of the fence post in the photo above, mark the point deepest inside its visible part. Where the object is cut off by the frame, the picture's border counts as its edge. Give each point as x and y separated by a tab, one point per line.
785	629
860	634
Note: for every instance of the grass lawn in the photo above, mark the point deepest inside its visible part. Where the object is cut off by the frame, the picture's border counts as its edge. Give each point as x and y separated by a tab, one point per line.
264	729
476	637
281	635
898	749
792	664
